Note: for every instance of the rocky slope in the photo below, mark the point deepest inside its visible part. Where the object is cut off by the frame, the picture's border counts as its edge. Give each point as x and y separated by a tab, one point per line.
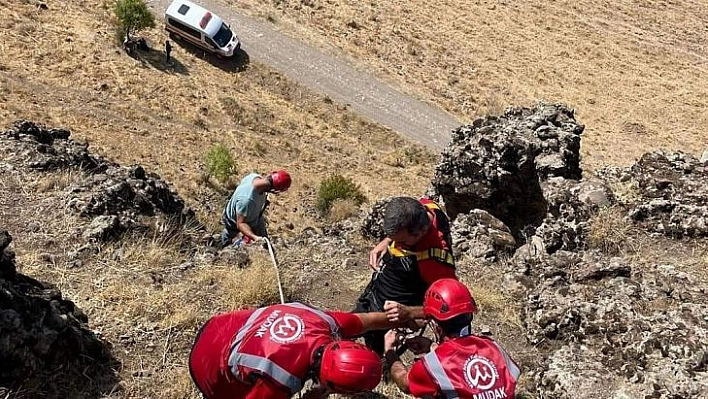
598	315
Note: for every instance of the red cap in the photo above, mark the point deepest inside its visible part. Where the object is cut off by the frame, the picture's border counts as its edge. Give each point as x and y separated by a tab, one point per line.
447	298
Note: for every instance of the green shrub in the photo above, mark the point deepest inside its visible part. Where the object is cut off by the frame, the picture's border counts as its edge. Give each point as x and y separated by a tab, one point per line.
219	162
337	187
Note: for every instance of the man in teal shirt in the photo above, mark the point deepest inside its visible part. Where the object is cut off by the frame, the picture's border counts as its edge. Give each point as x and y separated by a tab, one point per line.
244	211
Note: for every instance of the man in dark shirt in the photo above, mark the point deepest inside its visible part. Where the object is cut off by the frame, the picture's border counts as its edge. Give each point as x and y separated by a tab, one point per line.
416	252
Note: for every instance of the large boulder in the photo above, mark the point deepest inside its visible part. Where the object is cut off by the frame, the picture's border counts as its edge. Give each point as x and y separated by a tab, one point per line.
39	329
497	164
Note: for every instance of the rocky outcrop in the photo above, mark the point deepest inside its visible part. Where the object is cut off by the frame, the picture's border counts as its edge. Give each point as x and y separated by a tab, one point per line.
570	205
497	164
481	235
628	331
39	329
670	193
123	198
33	146
116	198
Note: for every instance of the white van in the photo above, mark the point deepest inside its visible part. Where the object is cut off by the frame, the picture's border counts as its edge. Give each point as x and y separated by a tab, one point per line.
200	27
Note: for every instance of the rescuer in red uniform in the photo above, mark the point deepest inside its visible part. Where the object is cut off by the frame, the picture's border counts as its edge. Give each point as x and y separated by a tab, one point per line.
271	351
462	365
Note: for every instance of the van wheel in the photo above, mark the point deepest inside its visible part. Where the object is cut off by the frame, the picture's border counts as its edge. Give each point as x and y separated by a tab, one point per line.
175	36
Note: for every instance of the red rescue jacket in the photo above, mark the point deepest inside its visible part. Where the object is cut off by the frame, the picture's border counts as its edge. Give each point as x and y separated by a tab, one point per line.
469	367
277	343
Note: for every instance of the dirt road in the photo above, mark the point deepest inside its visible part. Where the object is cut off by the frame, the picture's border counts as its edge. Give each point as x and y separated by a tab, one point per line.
336	77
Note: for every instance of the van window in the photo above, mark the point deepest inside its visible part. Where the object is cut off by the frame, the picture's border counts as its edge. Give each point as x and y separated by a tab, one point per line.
183	9
223	36
210	42
184	28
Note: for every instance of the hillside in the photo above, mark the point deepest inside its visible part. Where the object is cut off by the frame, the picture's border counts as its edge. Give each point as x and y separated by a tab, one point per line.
634	72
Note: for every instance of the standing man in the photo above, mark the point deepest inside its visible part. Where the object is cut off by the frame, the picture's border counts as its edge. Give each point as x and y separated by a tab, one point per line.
168	50
270	352
416	252
244	211
462	365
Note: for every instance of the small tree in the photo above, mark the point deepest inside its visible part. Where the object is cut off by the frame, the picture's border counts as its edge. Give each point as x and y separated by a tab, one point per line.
133	15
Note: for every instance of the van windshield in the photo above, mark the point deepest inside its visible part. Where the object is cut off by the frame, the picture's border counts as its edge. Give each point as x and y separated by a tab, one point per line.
223	37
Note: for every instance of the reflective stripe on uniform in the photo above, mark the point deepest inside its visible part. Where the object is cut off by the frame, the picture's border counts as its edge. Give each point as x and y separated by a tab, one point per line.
267	367
432	364
243	330
437	254
510	365
324	316
433	205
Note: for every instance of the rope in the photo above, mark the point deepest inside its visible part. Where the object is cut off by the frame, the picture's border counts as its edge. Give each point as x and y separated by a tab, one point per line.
275	264
404	347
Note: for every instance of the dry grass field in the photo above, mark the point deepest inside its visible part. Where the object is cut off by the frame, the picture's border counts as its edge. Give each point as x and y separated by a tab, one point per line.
634	70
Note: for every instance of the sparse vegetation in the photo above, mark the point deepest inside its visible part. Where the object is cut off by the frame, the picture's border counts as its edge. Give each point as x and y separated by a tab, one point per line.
57	181
219	163
342	209
608	230
337	187
133	16
407	156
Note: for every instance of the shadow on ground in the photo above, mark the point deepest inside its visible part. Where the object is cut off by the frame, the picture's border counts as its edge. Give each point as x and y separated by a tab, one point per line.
157	60
86	379
238	63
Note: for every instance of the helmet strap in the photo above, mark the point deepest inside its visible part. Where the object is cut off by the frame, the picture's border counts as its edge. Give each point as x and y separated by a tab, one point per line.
314	372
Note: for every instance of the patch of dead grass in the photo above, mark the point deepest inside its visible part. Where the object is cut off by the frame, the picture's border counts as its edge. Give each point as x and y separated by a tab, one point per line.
342	210
609	231
57	181
491	300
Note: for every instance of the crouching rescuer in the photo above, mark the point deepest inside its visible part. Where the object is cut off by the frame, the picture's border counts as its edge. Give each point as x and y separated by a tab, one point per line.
462	365
416	252
270	352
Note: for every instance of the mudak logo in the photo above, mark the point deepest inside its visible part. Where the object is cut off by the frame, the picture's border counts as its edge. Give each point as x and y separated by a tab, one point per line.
480	372
287	329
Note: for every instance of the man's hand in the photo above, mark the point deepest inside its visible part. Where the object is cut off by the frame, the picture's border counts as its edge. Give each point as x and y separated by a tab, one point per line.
390	340
376	254
257	238
419	344
396	312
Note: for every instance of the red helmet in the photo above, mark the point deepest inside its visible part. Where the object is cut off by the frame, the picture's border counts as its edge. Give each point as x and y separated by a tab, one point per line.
280	180
349	367
447	298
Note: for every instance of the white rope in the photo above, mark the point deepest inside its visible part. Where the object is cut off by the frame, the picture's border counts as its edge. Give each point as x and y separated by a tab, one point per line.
277	274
